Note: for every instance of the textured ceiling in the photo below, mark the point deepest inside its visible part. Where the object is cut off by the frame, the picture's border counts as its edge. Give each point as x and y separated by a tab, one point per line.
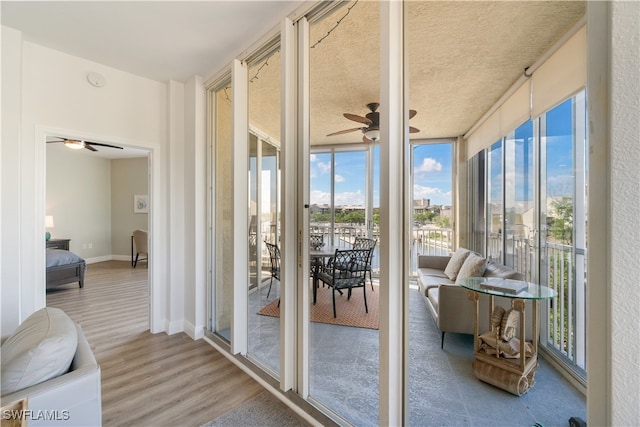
463	55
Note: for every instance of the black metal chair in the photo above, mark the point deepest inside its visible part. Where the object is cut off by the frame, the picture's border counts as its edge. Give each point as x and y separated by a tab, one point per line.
365	243
274	258
316	241
347	270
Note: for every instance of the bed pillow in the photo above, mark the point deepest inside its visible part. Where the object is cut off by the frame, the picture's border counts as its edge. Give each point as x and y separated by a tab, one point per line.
473	266
456	262
41	348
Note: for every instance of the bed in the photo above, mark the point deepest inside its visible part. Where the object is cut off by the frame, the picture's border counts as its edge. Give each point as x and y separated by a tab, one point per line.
64	267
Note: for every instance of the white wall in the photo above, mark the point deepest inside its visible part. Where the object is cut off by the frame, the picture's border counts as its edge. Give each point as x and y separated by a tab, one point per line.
128	177
625	218
78	196
46	91
10	212
195	166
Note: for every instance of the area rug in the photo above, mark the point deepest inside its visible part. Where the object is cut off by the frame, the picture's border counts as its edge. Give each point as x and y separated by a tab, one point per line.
264	410
350	312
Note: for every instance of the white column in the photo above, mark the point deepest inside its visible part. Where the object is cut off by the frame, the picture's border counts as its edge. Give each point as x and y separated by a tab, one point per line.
288	239
393	153
302	195
239	84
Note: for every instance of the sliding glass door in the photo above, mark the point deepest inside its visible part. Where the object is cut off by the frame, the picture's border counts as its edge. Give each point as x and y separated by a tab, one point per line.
223	200
535	216
343	348
563	252
263	321
432	207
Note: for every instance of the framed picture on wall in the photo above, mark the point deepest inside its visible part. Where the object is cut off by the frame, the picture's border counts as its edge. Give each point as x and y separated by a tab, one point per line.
140	203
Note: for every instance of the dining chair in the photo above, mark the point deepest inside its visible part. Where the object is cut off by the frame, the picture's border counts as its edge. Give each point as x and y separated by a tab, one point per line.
366	243
274	259
316	241
346	271
140	242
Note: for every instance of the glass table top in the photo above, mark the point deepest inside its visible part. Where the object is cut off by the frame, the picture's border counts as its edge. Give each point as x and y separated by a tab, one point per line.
508	288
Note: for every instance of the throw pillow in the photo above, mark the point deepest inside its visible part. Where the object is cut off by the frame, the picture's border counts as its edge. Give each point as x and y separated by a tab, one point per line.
456	262
41	348
473	266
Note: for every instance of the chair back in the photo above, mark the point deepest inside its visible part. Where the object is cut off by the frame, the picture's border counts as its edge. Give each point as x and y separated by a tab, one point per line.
274	258
350	264
364	243
140	239
316	241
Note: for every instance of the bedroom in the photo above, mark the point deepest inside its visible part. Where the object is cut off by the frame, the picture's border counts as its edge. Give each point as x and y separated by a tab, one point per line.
90	198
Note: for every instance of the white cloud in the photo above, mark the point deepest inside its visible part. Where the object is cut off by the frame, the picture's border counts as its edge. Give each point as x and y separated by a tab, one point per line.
350	198
339	178
317	197
429	165
325	167
436	195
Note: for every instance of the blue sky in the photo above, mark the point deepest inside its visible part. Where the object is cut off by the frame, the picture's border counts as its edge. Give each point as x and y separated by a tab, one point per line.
432	175
432	165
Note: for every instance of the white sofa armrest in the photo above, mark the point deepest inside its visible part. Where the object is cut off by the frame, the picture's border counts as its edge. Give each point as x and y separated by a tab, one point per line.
436	262
72	399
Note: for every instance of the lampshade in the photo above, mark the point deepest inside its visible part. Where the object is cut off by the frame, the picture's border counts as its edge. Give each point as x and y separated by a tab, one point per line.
48	221
74	143
372	134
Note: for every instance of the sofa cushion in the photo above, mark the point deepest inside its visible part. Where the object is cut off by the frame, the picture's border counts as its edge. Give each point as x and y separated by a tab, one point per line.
432	295
433	273
41	348
473	266
456	262
498	270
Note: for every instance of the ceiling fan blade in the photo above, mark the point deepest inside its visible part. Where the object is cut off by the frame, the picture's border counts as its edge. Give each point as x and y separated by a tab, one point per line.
51	142
413	130
345	131
357	118
412	114
88	147
102	145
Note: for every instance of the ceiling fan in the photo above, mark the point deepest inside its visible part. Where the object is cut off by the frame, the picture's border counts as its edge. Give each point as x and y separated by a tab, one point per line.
78	144
371	132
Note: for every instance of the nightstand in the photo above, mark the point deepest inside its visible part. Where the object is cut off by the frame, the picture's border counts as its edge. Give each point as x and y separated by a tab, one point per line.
58	244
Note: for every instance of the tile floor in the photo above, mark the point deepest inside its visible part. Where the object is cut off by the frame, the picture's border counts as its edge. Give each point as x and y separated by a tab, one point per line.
442	388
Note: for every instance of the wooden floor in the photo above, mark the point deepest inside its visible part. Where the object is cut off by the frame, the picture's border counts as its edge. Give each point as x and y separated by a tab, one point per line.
148	379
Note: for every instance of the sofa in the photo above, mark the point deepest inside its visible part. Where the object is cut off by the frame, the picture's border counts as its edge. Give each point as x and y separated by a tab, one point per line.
49	362
449	303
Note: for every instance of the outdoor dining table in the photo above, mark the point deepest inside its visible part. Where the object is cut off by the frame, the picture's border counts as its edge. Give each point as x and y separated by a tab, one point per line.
319	254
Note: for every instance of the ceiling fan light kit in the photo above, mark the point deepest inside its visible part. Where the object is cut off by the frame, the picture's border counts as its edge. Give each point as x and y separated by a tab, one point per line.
371	130
74	144
373	134
77	144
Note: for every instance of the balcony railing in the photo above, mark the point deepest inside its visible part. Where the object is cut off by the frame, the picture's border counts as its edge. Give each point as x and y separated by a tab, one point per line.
562	268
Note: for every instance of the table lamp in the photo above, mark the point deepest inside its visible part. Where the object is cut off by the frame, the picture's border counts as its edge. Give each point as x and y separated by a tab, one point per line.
48	223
